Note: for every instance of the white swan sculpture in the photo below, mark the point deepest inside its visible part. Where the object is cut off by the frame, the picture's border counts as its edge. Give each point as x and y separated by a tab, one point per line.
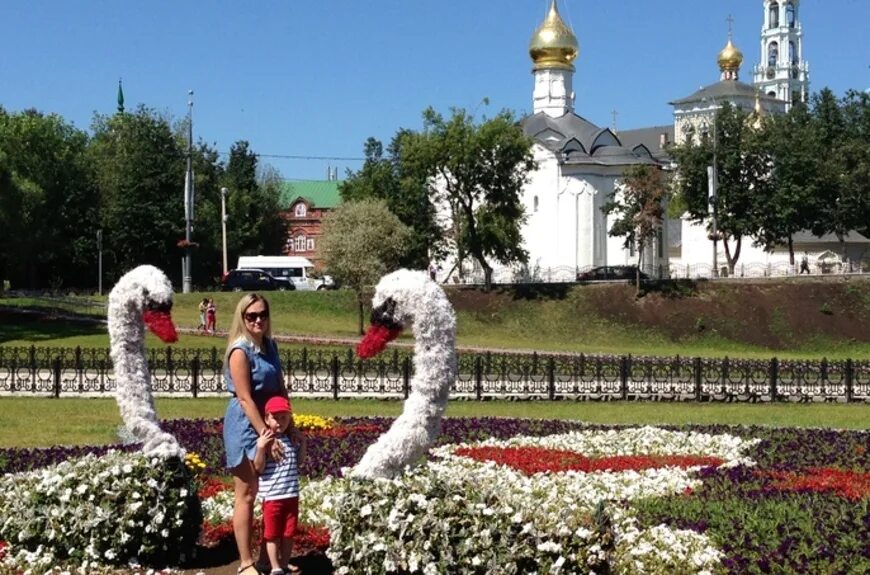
405	298
143	296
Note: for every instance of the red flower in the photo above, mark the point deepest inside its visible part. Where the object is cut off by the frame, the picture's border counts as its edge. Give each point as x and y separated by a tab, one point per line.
853	485
530	460
211	486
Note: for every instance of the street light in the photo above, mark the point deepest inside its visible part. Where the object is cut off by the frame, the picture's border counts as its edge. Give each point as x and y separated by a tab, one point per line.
712	185
224	192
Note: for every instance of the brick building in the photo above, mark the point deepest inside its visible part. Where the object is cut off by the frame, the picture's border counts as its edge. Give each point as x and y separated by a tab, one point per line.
305	202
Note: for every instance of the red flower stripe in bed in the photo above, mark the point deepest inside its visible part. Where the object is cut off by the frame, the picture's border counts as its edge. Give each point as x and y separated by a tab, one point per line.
852	485
530	460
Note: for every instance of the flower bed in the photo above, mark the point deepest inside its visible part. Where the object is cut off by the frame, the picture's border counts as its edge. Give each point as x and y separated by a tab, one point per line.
507	495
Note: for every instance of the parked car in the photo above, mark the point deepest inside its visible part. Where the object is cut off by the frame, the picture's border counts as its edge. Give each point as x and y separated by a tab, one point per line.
611	273
254	280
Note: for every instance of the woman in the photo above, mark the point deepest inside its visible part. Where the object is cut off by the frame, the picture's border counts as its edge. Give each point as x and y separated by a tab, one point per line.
253	375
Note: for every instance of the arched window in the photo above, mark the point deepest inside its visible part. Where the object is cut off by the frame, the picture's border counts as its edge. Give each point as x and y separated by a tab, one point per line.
772	94
288	245
300	243
774	15
300	210
535	203
310	244
790	14
772	53
792	53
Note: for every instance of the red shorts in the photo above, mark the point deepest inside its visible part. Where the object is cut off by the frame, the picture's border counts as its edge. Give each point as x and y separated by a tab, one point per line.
280	517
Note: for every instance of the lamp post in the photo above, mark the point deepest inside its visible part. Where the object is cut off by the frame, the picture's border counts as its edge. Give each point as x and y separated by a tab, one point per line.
99	262
187	282
224	192
712	185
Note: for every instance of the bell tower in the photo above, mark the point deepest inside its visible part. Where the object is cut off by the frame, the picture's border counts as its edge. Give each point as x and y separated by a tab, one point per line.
782	73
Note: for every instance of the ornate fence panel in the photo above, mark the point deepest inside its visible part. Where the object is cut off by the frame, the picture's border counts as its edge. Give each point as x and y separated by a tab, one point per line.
191	372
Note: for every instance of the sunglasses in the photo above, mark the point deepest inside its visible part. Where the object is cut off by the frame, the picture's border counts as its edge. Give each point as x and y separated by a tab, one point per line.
254	315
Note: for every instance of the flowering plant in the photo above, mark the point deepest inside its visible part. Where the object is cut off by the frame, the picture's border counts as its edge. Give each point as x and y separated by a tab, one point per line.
110	509
513	506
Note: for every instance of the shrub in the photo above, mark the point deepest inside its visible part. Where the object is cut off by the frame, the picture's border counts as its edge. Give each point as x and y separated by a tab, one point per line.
109	509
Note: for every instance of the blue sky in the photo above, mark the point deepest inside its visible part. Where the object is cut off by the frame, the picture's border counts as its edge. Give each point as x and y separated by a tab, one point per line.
317	77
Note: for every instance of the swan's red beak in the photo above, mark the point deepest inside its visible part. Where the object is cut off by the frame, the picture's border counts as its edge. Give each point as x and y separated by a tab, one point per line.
376	339
160	324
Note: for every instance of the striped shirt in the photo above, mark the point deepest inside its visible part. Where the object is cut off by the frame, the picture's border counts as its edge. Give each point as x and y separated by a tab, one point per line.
280	479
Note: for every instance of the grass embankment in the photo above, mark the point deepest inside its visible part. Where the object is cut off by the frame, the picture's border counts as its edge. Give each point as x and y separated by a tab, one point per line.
95	421
787	319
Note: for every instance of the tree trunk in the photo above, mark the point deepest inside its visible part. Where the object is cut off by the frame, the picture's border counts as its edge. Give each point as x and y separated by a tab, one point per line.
637	271
790	251
487	274
360	303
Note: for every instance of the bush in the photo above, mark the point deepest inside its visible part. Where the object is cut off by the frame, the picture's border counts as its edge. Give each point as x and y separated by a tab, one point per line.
109	509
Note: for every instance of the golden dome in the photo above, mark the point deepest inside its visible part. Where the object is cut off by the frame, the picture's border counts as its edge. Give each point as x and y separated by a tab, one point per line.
730	58
553	45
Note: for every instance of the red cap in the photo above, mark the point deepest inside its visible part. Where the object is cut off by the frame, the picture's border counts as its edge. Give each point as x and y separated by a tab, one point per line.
278	404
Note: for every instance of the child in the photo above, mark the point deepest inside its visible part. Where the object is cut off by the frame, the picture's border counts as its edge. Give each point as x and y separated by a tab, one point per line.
203	305
279	485
210	317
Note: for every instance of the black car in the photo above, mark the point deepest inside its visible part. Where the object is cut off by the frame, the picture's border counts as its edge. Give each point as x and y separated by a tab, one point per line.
611	273
254	280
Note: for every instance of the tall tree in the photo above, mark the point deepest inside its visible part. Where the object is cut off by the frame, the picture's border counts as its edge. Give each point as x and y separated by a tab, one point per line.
49	201
841	136
140	172
360	242
789	205
403	185
742	165
479	171
253	204
639	209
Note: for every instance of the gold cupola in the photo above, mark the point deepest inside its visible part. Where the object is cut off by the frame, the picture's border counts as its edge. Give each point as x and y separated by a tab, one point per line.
553	45
730	59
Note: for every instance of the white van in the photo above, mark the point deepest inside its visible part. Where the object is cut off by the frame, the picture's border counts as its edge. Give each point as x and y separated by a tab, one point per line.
294	268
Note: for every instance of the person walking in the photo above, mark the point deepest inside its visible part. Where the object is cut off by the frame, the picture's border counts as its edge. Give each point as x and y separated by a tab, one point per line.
253	375
211	317
805	263
203	305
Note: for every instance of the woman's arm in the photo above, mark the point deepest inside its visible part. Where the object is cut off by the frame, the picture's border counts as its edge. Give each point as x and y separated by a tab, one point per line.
240	371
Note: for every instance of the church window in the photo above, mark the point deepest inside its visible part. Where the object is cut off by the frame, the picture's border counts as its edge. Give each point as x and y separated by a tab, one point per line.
300	243
790	14
796	97
535	203
772	53
774	15
792	53
772	94
300	210
310	244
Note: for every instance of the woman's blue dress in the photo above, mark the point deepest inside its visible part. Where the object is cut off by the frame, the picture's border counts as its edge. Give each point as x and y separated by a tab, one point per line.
240	438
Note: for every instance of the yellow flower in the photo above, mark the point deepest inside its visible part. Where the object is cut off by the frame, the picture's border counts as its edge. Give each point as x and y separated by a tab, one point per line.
312	422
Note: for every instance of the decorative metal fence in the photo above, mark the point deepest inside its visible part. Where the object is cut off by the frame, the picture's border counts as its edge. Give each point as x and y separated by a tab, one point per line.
61	372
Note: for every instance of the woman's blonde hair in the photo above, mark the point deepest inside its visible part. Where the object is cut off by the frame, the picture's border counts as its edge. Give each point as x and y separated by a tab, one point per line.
238	327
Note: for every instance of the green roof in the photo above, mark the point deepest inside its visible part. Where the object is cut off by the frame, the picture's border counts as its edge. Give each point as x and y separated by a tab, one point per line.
318	193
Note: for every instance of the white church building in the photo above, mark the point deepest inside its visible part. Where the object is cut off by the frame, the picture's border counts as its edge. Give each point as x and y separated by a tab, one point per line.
581	164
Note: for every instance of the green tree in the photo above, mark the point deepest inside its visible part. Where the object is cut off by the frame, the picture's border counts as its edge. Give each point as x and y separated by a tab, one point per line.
253	205
360	242
479	171
402	183
140	167
638	207
48	204
742	164
841	136
792	199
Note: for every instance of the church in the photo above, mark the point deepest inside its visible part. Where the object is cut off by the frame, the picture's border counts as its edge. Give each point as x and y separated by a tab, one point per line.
580	164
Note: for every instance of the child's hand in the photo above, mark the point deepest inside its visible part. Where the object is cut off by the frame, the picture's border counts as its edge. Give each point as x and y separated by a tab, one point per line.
265	439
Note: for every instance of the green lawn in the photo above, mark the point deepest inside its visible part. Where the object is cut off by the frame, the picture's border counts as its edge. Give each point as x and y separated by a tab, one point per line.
43	422
543	325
